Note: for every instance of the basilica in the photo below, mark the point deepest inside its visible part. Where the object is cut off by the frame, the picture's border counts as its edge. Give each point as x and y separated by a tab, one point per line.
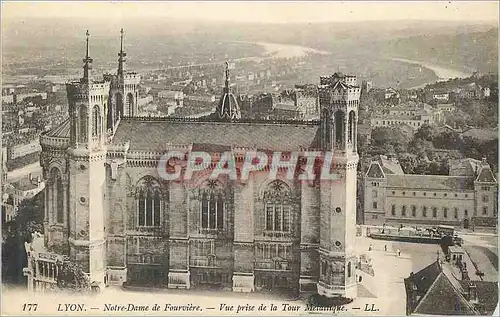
108	209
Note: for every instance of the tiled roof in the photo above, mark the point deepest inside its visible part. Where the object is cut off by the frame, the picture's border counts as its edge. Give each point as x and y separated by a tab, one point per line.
61	131
485	175
389	166
464	167
443	299
433	291
153	135
436	291
431	182
24	185
487	296
375	171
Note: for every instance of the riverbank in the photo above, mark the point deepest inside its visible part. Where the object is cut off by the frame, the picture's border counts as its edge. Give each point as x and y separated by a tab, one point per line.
442	73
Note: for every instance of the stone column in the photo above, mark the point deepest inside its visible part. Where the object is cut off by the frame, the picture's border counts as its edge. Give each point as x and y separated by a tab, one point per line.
179	275
309	236
243	275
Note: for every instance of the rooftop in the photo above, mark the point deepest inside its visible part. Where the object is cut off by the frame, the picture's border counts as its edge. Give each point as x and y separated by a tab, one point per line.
25	184
147	134
435	290
431	182
61	131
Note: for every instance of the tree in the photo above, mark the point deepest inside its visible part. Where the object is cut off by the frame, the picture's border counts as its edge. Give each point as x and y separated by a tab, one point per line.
425	132
29	219
432	169
386	135
449	140
72	277
408	163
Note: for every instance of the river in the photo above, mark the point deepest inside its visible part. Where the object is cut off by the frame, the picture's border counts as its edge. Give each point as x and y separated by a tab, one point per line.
443	73
276	50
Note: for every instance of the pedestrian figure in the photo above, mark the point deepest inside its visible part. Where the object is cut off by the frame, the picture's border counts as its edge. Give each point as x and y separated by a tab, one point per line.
399	252
385	247
370	248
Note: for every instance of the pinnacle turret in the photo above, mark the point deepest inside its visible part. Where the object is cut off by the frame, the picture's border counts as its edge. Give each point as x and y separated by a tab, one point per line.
87	66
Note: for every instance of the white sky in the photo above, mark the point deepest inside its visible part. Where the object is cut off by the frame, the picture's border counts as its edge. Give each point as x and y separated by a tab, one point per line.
269	12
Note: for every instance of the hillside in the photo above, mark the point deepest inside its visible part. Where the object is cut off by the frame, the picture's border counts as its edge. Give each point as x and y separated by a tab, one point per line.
476	51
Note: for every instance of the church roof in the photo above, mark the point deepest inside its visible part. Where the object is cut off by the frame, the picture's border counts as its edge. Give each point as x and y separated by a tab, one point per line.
61	131
154	134
431	182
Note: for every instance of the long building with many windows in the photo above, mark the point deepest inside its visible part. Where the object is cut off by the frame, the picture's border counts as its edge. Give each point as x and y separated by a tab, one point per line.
464	198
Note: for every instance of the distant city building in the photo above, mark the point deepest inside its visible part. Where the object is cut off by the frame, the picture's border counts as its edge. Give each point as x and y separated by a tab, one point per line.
21	97
464	198
6	99
8	213
142	101
411	115
391	93
366	86
20	150
441	96
307	101
23	189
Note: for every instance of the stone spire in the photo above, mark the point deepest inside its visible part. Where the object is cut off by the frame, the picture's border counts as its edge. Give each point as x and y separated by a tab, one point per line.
228	107
87	66
122	54
226	83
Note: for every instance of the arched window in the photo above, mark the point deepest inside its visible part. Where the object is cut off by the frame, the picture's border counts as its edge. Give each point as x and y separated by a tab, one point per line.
349	269
118	106
212	206
393	210
130	104
445	212
57	195
424	211
352	122
434	212
339	126
277	206
403	211
82	116
413	211
455	213
96	122
328	127
149	202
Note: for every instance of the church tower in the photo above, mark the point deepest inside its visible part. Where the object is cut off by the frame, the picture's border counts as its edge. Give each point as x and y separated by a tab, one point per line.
88	99
124	91
339	100
228	108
